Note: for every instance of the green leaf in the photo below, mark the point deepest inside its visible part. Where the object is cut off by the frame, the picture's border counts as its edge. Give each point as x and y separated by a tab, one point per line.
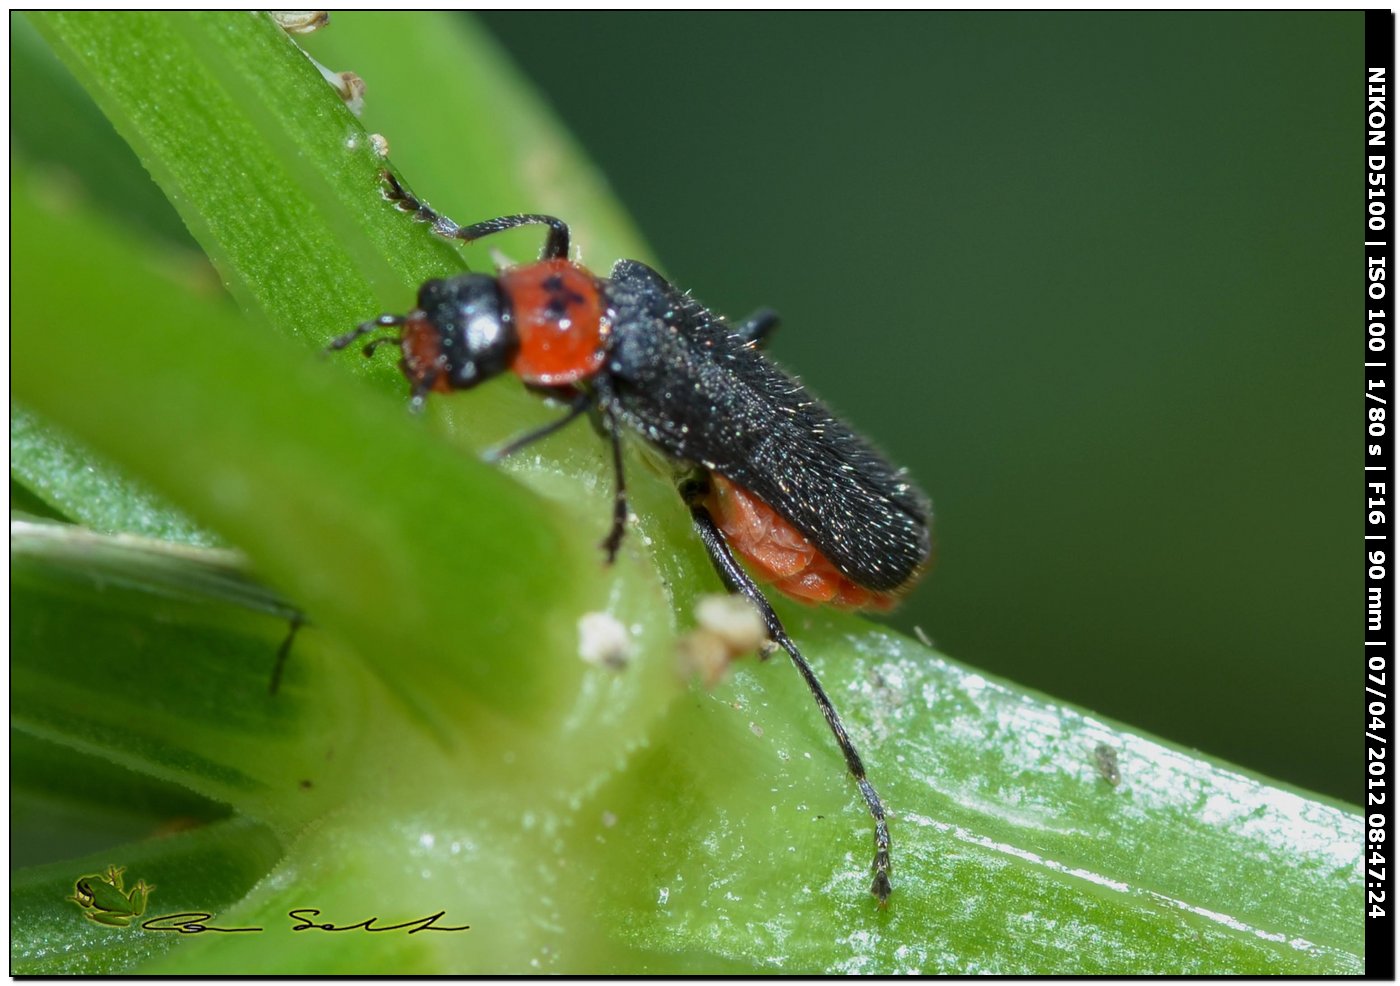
439	745
70	481
63	803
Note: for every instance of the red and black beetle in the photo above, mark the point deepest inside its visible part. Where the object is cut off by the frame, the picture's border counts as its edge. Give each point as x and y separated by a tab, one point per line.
778	481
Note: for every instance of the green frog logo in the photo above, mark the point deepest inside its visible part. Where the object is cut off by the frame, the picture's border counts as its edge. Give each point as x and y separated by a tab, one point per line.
104	900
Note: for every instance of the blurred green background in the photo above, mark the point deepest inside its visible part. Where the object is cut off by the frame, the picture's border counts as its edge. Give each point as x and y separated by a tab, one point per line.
1091	276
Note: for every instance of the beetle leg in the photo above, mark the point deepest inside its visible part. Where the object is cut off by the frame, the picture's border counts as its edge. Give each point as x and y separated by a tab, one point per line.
607	403
581	402
619	521
556	244
756	329
739	581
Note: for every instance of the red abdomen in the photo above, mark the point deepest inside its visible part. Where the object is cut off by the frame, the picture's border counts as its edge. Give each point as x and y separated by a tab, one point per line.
778	554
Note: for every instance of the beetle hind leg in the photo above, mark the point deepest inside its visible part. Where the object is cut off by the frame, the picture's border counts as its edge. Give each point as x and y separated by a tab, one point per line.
739	581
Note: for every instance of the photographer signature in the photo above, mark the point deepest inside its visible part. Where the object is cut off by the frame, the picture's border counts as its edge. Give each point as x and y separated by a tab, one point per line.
303	918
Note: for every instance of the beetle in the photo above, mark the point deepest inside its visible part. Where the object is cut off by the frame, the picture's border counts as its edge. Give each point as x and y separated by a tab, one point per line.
780	490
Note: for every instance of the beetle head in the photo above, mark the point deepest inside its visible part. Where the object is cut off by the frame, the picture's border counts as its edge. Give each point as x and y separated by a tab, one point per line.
461	334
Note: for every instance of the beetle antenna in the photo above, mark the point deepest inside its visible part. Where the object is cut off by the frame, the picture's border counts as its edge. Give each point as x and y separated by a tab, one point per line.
364	329
374	344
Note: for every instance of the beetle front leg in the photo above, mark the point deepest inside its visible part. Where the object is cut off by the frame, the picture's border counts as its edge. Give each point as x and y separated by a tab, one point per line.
556	244
579	402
